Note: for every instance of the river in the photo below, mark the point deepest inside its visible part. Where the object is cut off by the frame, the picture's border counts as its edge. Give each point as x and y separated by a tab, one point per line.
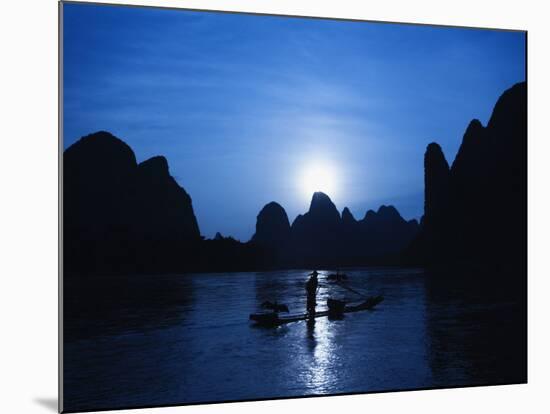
178	339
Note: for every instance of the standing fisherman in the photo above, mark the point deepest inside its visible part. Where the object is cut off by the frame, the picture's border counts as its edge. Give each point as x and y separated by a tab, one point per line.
311	290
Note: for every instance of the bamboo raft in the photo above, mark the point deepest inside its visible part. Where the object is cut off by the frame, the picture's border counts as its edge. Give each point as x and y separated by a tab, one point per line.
272	319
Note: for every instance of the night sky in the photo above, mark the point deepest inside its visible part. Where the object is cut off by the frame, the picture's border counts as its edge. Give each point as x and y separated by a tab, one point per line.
247	108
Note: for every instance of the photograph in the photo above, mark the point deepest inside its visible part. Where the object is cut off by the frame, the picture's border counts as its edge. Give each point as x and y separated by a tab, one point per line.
259	207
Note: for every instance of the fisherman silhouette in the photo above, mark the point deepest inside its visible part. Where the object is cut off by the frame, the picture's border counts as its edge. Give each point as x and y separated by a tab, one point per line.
311	291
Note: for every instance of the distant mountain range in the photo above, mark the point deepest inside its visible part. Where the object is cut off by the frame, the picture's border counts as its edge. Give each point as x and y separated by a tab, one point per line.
323	236
123	217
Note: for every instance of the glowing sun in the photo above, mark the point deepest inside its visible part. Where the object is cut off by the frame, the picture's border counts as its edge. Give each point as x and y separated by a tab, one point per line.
319	176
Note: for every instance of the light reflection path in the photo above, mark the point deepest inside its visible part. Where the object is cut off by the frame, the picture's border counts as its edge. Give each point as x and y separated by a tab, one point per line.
320	374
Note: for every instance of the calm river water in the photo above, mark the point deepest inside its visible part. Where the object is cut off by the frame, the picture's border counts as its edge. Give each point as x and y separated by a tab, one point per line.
160	340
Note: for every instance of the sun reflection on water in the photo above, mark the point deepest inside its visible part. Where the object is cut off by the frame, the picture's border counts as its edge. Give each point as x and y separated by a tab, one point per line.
319	373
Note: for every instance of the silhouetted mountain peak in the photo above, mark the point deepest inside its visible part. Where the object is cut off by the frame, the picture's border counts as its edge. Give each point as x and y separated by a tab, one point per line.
476	211
347	217
389	212
273	206
120	208
436	178
297	218
473	127
472	135
369	215
319	197
272	225
510	106
102	151
321	204
156	165
103	137
384	216
434	157
472	149
155	173
313	233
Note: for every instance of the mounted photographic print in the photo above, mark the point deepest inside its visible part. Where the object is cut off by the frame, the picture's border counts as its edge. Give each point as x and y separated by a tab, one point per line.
259	207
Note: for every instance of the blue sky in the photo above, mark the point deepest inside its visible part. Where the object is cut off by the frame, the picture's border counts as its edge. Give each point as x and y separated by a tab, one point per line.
242	105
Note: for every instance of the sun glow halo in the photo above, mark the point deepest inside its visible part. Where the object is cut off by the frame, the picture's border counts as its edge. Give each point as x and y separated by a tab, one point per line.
319	176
